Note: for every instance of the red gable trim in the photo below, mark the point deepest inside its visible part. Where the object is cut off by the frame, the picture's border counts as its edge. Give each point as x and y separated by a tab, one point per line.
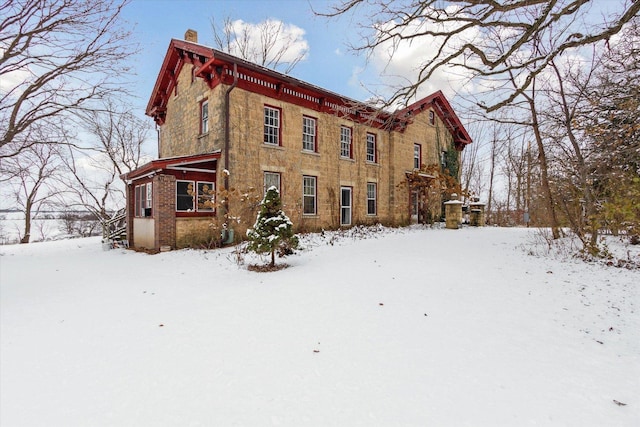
216	67
198	162
443	109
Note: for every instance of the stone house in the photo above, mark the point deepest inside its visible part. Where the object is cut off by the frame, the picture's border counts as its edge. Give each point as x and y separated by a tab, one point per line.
227	123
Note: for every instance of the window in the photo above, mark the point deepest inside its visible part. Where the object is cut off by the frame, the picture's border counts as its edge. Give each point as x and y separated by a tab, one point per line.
309	133
371	198
271	179
206	196
345	142
309	195
417	156
204	117
143	198
371	148
184	196
271	126
187	192
345	205
432	118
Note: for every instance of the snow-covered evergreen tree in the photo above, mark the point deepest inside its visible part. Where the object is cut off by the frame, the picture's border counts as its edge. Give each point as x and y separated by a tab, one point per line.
273	229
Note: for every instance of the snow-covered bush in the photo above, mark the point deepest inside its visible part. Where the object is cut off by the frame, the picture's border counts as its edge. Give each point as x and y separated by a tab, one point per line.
273	230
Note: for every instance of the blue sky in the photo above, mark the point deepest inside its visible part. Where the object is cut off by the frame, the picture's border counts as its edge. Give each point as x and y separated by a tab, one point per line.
329	63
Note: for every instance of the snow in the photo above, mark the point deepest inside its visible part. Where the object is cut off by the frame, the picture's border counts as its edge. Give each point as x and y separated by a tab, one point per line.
406	327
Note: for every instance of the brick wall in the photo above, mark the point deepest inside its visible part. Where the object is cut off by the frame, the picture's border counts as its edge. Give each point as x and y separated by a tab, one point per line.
164	208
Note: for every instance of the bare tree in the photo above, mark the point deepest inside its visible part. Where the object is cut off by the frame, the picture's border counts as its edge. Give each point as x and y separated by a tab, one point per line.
113	146
270	43
58	56
31	178
482	38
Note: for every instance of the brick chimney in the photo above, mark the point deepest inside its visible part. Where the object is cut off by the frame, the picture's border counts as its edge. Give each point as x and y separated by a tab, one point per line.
191	36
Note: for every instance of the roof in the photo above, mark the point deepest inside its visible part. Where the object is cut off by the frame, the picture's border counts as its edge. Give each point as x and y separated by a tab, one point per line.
194	163
216	67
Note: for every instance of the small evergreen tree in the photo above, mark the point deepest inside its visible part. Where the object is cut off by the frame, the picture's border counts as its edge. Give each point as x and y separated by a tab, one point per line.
273	229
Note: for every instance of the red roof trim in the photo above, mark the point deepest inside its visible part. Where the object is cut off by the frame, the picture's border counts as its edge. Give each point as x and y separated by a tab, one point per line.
172	162
443	109
216	67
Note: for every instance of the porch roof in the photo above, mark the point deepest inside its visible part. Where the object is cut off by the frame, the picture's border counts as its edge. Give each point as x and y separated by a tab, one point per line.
194	163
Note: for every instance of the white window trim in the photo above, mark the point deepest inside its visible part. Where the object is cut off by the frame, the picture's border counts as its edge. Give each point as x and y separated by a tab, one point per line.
277	117
264	181
375	148
204	118
374	198
349	143
313	135
314	195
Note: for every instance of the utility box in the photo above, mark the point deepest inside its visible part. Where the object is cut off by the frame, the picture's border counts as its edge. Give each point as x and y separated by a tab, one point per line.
227	236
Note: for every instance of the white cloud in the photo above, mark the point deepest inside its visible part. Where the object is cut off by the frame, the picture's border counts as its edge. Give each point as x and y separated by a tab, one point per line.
398	63
285	43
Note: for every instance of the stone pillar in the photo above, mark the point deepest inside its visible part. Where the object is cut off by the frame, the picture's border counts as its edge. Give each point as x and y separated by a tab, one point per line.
477	211
453	214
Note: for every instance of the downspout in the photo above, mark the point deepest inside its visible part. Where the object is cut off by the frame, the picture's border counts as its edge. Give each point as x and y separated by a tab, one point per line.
227	143
158	141
227	133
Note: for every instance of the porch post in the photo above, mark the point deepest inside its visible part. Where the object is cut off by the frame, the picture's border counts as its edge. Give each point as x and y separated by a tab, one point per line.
164	211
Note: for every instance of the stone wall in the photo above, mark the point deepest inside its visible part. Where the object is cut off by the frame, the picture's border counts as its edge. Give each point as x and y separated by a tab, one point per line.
180	135
249	157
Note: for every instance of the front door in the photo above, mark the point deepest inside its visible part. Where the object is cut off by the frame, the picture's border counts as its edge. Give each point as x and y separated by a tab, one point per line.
345	205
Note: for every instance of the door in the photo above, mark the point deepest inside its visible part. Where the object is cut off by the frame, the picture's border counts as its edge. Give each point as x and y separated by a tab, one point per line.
345	205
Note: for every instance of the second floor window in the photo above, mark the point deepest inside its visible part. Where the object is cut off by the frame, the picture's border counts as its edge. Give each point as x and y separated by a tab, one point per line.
371	148
271	126
417	156
204	117
308	133
345	142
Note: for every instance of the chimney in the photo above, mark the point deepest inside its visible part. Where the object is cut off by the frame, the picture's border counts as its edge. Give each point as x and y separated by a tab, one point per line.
191	36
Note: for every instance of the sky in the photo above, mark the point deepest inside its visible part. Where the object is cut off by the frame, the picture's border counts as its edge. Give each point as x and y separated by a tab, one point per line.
329	64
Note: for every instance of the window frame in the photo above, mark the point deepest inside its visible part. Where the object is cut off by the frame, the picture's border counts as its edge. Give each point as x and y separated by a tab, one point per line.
278	127
372	155
143	199
346	209
211	197
372	199
204	117
432	118
196	196
417	158
313	196
314	136
348	145
264	181
178	195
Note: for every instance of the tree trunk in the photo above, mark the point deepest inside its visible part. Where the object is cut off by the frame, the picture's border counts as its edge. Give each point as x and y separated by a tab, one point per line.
273	258
546	188
27	223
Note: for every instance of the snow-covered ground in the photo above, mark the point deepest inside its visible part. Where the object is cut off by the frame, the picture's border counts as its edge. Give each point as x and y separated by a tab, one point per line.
408	327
